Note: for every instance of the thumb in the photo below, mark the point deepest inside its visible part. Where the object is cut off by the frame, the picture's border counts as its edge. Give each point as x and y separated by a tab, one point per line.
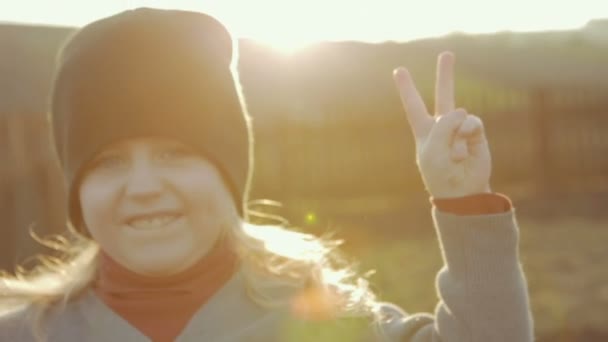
446	126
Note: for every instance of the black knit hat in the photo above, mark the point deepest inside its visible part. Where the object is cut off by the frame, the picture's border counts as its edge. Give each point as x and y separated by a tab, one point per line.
150	72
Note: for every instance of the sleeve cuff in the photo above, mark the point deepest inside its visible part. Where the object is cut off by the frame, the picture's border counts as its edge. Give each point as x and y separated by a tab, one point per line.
476	204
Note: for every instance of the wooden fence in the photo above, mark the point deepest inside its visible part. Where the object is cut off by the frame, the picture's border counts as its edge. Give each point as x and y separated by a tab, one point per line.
32	192
542	144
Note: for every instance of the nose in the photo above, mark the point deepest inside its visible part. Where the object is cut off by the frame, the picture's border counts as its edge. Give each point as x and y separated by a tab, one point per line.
144	184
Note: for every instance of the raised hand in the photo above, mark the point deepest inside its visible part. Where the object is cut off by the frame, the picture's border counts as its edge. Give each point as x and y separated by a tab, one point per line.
452	151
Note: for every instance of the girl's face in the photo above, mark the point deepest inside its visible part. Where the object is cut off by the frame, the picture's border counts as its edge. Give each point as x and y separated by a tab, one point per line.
154	205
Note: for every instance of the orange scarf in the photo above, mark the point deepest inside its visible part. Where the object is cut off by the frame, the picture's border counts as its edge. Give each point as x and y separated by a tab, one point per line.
161	307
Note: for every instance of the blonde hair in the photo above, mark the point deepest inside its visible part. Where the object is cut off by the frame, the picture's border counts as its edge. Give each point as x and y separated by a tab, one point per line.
271	256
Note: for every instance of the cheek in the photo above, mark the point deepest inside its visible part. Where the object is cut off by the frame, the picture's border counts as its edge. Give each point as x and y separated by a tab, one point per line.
204	190
97	200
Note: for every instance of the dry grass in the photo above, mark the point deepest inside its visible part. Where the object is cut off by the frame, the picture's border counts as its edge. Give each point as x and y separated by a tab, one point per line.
565	261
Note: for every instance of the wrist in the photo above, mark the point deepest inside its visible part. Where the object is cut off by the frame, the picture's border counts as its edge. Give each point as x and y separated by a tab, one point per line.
461	193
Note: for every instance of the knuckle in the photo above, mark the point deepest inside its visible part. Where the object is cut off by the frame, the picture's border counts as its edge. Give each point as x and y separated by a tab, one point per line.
460	113
456	116
473	122
475	118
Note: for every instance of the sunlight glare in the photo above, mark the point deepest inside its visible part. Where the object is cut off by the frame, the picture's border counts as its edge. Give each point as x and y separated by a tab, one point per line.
288	26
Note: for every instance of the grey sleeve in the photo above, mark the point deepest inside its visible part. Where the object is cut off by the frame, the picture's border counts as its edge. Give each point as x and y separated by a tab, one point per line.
482	289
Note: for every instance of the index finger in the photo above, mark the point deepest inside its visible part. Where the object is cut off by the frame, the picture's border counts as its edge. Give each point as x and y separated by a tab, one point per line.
415	109
444	86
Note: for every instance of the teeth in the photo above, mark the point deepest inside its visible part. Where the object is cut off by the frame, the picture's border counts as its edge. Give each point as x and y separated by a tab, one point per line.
151	222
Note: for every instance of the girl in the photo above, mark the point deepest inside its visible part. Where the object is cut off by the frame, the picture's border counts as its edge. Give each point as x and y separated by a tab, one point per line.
154	139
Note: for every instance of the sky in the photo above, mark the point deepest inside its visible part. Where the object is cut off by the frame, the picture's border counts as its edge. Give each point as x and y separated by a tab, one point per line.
288	25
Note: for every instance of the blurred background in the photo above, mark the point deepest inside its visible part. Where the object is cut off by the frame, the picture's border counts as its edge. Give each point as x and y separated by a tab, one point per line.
333	145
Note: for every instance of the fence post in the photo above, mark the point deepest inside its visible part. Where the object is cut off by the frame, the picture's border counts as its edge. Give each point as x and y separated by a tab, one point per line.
7	202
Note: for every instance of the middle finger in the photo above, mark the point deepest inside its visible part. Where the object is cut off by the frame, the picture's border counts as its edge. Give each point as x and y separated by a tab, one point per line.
444	86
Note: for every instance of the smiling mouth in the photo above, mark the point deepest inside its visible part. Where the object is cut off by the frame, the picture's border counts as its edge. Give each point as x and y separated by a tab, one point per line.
153	221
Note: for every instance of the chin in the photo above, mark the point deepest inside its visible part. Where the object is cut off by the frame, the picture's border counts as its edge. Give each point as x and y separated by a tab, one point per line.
161	263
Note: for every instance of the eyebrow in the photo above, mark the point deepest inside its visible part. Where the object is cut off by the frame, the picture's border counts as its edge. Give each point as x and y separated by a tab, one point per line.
106	152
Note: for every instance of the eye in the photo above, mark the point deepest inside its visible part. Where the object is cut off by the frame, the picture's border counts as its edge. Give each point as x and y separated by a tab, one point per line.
109	161
175	153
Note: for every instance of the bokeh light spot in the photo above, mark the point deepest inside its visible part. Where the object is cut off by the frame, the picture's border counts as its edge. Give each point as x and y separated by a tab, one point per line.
311	218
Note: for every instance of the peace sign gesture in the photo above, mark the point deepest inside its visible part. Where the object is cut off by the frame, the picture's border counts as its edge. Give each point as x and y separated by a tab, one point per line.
452	151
